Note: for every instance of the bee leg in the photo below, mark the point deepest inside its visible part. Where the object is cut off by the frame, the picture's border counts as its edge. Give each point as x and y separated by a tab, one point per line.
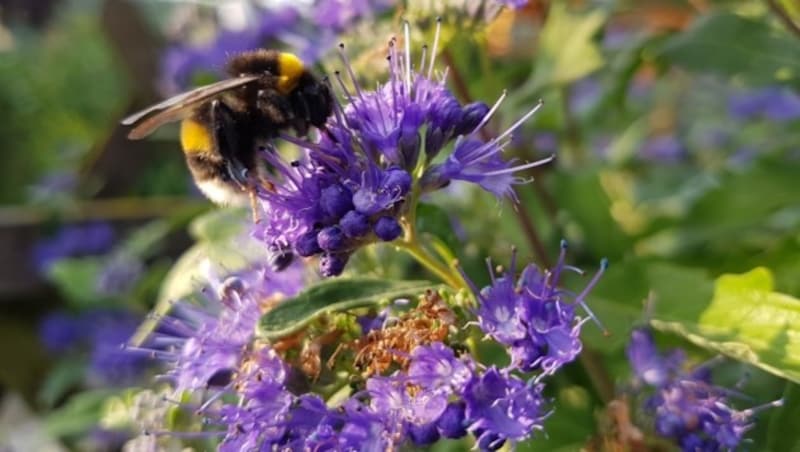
225	139
254	205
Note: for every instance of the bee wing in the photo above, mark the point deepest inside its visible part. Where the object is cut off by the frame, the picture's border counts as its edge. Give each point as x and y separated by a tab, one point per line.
177	107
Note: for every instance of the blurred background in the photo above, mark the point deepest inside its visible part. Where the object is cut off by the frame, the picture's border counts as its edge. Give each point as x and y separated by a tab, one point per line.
675	125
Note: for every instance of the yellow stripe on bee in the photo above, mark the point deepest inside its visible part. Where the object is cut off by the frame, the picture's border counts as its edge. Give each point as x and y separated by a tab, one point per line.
290	69
195	137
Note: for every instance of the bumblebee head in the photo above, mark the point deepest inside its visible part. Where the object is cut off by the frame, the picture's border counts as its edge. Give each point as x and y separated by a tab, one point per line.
312	99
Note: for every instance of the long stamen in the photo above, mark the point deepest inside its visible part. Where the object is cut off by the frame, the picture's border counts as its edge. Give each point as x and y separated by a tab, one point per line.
346	92
346	62
336	104
422	59
298	141
512	266
471	284
435	45
407	32
489	114
757	409
519	122
580	298
562	254
524	166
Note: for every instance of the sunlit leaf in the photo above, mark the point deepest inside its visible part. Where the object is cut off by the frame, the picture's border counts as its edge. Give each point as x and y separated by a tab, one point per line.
333	295
567	51
745	320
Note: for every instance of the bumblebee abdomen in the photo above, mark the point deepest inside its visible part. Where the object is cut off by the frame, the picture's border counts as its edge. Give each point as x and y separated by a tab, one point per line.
210	174
195	137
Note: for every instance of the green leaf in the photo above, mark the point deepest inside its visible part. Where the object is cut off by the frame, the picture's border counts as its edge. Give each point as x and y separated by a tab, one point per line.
567	51
730	45
64	376
76	278
784	436
333	295
745	320
580	193
79	414
619	298
219	224
143	241
569	427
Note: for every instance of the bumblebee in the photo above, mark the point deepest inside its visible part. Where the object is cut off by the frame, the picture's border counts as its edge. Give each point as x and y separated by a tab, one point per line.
225	123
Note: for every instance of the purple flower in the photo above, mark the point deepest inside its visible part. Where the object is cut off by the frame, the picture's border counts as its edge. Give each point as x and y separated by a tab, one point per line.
503	407
205	344
339	15
350	186
435	368
532	317
181	63
109	331
59	332
53	185
119	275
686	407
390	399
648	364
73	241
773	103
665	148
259	420
102	333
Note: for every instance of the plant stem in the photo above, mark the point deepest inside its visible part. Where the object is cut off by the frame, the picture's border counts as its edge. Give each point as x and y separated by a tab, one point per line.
784	17
572	131
431	263
598	374
529	230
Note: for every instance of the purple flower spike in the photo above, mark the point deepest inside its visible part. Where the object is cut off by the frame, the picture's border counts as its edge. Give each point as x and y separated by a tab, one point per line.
648	364
371	146
203	344
685	406
435	367
503	407
532	317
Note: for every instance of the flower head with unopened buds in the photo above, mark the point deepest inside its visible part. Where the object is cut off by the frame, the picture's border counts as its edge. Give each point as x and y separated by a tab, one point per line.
353	185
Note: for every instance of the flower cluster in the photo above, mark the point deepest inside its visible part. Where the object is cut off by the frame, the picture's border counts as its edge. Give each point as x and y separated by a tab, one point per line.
439	395
74	241
352	186
773	103
101	333
204	344
532	316
686	407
